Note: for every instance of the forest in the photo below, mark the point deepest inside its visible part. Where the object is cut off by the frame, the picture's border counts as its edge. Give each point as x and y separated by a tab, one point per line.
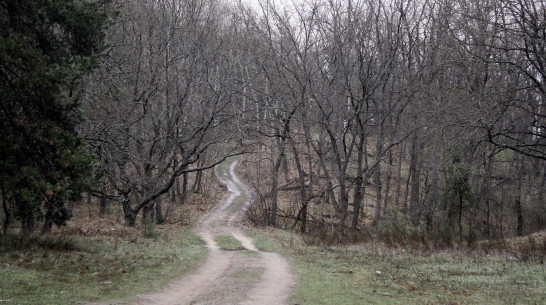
351	118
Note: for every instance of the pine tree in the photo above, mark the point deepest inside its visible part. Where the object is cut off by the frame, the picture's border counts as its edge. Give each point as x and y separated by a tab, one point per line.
46	47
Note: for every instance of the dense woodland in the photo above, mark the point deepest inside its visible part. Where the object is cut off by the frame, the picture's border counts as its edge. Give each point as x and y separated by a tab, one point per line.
353	115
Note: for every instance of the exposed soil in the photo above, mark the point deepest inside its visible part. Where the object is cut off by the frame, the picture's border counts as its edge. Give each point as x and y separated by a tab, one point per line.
245	276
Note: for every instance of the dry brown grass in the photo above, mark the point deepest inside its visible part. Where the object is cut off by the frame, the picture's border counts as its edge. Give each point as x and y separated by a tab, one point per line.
87	221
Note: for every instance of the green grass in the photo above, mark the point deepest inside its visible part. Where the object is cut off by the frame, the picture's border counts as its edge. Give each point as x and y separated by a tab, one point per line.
261	242
374	274
92	268
228	243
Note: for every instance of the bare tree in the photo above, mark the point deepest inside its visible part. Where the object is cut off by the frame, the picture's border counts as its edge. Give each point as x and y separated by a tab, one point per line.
159	106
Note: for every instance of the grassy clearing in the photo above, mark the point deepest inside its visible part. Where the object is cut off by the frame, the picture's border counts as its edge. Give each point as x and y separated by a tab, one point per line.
376	274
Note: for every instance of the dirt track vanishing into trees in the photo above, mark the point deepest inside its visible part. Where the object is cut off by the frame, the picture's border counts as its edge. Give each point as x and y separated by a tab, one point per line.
243	275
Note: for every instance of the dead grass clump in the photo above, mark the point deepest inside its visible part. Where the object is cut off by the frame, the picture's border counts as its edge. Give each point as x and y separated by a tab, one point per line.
528	249
531	248
13	241
98	226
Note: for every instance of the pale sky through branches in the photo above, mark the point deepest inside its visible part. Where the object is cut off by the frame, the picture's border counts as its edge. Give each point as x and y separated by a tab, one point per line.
255	4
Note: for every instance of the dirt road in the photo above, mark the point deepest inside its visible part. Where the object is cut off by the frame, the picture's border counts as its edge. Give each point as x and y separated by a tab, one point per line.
240	276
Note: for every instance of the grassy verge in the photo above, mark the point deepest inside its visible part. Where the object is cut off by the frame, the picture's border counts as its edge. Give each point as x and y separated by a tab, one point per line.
375	274
261	240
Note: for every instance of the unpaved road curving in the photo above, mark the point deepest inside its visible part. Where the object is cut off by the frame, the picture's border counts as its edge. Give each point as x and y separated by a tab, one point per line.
241	276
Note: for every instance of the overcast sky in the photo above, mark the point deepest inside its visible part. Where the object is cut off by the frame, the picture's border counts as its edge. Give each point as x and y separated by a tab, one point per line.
255	3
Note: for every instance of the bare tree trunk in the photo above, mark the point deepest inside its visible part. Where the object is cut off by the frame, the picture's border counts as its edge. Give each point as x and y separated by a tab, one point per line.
329	193
103	206
197	184
129	214
146	213
7	213
405	208
414	208
518	205
174	190
433	199
159	211
274	186
486	186
475	193
377	175
184	194
359	191
285	168
388	183
541	213
460	219
398	191
342	202
302	213
310	165
196	188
